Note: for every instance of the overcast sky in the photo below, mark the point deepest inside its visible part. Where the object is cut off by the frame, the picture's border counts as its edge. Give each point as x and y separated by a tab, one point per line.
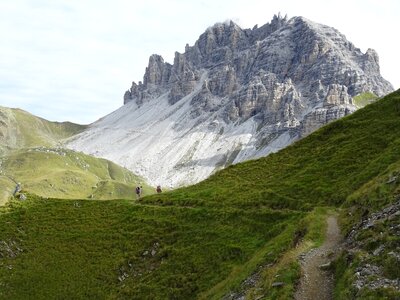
74	59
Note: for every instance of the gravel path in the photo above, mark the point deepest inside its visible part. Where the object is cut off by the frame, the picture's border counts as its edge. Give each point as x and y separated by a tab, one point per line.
317	282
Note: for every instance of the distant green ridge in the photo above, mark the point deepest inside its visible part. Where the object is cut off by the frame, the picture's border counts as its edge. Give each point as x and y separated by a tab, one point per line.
61	173
31	153
20	129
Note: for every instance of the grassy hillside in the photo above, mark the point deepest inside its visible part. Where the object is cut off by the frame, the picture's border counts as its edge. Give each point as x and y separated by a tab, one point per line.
61	173
7	186
53	249
321	169
203	241
30	154
20	129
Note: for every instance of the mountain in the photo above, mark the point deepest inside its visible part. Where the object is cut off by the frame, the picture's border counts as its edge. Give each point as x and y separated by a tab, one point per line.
238	233
20	129
236	94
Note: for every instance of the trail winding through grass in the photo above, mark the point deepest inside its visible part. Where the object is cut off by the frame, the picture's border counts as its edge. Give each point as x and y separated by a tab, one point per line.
317	282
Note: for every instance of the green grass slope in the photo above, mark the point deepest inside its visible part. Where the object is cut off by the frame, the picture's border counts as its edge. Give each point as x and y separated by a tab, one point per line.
364	99
30	154
61	173
20	129
203	241
321	169
53	249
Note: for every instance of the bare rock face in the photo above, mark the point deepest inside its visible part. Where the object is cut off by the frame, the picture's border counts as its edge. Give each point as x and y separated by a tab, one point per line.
156	76
337	104
253	67
253	91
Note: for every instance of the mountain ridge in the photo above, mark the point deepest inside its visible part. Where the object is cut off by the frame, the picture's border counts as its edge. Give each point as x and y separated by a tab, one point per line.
19	128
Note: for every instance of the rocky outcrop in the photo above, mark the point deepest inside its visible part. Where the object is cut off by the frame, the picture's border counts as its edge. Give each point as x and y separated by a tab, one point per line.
156	76
250	91
337	104
371	255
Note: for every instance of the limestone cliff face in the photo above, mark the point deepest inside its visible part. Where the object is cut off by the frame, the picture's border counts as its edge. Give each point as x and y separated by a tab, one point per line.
277	73
286	78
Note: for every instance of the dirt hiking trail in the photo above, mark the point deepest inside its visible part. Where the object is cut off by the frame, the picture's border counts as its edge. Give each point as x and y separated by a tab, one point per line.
316	281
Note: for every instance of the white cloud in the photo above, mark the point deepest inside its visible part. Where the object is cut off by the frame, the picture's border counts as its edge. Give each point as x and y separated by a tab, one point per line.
73	60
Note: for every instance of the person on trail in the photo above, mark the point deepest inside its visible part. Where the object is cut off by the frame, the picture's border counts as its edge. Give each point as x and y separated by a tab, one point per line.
158	189
138	192
17	188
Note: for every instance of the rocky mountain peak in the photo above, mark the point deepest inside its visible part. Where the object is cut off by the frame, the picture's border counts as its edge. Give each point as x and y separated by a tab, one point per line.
220	35
155	71
243	93
276	23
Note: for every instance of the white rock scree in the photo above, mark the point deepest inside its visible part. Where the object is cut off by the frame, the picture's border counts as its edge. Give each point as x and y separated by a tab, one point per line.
236	94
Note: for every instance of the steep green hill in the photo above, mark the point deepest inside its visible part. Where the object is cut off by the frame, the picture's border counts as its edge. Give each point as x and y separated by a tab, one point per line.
20	129
248	221
321	169
61	173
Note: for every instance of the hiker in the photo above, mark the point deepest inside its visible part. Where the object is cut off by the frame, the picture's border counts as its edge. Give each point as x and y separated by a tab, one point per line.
138	191
158	189
17	188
